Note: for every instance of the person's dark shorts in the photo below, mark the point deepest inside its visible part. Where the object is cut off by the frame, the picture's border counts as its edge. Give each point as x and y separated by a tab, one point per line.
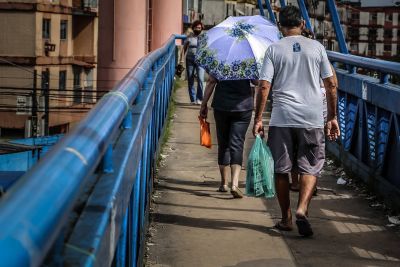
300	148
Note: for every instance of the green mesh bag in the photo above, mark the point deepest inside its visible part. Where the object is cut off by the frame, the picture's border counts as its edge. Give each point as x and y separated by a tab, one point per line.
260	171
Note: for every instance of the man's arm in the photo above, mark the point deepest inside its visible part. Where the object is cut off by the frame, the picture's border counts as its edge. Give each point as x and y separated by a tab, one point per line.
332	126
261	100
211	83
331	97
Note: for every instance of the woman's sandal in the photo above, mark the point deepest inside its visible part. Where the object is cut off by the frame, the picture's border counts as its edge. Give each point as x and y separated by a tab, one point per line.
223	188
236	193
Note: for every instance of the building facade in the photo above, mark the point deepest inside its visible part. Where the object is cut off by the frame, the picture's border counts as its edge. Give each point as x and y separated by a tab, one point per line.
48	60
75	54
370	28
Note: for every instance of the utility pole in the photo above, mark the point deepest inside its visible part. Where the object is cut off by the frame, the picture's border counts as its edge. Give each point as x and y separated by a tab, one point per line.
46	102
34	117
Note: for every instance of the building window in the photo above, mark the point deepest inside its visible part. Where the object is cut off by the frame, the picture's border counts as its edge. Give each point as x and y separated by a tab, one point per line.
388	33
387	47
62	80
372	49
63	29
354	47
372	33
373	17
46	28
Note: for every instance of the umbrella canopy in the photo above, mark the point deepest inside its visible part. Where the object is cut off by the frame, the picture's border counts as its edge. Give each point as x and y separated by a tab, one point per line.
235	48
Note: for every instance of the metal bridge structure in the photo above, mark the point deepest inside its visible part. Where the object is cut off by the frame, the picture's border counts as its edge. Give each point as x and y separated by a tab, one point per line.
86	202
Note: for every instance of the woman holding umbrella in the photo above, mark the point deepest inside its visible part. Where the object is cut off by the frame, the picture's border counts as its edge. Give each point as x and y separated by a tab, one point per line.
232	53
233	106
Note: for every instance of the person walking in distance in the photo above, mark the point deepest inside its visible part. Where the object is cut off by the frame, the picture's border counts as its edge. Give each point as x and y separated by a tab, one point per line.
296	132
194	71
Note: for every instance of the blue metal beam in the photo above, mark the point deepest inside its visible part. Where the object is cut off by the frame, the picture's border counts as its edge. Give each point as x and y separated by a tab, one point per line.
270	11
304	13
260	6
282	3
338	28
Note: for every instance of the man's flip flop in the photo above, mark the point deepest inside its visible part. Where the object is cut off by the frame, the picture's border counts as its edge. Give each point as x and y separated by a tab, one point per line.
283	227
304	227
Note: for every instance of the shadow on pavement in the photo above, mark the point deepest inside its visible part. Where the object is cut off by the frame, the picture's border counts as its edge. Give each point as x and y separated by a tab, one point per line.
215	224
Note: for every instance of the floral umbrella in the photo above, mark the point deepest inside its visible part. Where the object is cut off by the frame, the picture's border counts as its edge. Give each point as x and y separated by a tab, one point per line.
235	48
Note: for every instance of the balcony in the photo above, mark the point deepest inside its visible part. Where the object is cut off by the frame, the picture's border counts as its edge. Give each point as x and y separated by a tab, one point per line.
85	7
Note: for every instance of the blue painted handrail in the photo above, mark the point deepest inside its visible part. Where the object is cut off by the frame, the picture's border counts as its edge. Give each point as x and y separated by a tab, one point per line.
34	211
364	62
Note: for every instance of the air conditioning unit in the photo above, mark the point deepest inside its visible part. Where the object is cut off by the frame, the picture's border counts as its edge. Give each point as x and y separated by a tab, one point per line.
90	4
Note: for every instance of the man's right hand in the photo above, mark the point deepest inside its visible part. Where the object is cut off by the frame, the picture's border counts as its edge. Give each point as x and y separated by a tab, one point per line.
258	128
332	130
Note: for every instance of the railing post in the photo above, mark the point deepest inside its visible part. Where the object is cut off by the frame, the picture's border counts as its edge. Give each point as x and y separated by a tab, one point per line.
134	220
121	248
352	69
384	79
127	122
108	160
58	247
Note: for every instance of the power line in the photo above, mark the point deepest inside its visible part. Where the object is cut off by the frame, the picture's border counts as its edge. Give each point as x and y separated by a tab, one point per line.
54	89
18	66
54	79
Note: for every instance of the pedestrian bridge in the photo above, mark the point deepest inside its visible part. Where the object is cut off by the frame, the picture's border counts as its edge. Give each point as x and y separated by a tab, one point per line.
87	202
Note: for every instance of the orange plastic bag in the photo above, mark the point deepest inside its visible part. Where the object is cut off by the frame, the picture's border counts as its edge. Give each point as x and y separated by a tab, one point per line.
205	134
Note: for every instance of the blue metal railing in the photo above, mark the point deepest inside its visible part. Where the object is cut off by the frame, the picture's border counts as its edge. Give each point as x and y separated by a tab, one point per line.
369	119
108	158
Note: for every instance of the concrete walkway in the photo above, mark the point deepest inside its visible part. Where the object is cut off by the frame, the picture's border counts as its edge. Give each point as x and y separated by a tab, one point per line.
193	225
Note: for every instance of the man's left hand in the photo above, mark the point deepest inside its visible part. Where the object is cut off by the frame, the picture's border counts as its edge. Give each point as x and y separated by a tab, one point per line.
332	130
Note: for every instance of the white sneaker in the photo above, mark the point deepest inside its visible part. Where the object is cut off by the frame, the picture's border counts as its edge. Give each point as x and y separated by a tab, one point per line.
198	102
193	103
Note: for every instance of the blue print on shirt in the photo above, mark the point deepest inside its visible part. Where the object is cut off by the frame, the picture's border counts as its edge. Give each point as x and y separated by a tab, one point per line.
296	47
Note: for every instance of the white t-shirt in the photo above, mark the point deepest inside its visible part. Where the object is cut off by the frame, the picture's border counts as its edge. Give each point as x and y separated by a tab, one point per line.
295	64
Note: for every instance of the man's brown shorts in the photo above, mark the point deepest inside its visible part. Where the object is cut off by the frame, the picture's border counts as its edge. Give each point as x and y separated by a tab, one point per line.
302	149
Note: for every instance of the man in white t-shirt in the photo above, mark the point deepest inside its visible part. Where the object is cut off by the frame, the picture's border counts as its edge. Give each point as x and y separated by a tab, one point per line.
296	130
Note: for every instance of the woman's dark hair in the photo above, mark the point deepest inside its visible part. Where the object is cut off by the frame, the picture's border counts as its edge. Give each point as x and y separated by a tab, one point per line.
290	17
197	22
